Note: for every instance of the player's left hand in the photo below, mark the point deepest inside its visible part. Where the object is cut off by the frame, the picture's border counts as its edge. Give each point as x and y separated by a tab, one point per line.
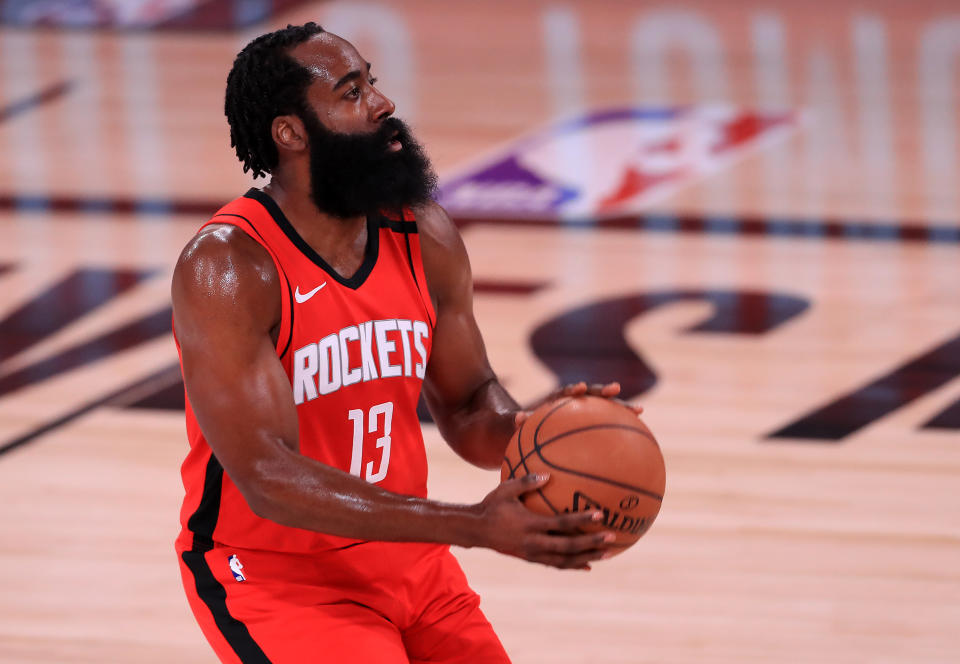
608	391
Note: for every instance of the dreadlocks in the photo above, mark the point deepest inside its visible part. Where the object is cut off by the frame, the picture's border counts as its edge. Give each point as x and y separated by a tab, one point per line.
265	82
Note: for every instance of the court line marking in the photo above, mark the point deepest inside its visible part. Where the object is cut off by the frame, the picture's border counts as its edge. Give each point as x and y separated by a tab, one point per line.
129	393
45	96
774	226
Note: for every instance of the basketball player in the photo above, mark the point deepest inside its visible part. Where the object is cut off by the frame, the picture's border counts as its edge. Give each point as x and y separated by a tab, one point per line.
309	315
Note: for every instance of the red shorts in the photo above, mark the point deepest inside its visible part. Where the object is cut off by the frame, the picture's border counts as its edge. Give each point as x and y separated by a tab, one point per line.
376	603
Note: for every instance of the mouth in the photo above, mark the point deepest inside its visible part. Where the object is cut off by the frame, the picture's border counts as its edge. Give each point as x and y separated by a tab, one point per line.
394	145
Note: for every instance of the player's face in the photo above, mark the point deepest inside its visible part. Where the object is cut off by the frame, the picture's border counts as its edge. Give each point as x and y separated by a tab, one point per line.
361	158
343	93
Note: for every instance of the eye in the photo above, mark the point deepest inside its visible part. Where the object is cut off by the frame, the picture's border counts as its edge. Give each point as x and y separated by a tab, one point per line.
353	92
373	80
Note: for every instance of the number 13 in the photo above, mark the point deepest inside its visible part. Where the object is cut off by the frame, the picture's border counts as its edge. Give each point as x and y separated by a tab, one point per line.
383	442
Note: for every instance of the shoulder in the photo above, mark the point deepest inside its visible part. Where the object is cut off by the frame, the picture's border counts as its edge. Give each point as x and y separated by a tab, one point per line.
436	226
223	264
445	261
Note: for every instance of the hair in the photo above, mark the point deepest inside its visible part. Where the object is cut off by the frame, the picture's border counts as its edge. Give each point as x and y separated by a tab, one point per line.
265	82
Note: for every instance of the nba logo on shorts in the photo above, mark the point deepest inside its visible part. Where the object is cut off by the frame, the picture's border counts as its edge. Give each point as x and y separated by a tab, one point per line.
609	163
235	567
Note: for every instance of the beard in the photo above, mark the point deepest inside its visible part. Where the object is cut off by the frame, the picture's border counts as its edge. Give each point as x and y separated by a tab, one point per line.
356	174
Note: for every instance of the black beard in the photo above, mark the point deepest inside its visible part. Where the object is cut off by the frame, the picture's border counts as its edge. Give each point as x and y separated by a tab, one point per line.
356	174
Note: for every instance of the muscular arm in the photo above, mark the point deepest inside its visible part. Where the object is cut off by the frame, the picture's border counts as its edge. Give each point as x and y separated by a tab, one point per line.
226	300
473	411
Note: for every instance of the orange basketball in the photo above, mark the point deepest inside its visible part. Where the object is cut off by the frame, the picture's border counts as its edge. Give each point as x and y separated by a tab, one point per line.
599	456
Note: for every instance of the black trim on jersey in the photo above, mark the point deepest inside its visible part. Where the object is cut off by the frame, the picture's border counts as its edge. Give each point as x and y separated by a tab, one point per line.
398	226
370	254
279	269
290	337
202	523
413	271
405	228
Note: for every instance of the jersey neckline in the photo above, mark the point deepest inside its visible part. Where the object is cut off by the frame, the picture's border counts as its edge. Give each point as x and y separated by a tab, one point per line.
370	253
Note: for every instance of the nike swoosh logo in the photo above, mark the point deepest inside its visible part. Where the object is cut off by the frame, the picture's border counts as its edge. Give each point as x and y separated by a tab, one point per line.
303	297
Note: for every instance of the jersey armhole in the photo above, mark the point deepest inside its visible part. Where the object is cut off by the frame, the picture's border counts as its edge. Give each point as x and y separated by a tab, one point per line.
285	333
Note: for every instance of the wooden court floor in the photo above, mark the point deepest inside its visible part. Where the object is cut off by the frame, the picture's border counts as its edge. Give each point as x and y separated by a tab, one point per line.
788	315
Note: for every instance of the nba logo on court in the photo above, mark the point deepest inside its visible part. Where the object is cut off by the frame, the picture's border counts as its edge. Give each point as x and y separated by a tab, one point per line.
235	567
609	162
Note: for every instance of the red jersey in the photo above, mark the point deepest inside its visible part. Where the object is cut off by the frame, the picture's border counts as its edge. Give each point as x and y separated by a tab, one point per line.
355	351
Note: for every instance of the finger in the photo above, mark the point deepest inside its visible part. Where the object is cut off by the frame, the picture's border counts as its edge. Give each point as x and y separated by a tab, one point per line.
575	390
572	545
521	417
606	390
522	485
570	523
610	390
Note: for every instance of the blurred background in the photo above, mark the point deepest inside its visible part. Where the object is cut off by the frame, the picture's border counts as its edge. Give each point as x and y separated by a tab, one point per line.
746	212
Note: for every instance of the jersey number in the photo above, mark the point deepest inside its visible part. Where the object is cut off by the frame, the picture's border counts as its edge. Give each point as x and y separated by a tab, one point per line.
383	442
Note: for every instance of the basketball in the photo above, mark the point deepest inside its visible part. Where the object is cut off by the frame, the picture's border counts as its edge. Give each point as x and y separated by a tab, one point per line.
600	457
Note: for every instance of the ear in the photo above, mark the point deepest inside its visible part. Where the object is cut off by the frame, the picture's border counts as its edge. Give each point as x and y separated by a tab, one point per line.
289	133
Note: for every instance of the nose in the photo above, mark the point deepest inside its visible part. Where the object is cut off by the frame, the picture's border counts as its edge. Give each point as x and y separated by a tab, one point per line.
382	107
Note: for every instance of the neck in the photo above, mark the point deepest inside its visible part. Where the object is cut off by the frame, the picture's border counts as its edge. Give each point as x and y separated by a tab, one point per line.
293	196
340	242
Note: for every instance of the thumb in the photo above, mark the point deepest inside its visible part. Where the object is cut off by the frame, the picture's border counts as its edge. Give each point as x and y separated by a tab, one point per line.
521	417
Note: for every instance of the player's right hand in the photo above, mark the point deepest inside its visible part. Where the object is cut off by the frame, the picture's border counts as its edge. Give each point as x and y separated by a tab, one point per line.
509	527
